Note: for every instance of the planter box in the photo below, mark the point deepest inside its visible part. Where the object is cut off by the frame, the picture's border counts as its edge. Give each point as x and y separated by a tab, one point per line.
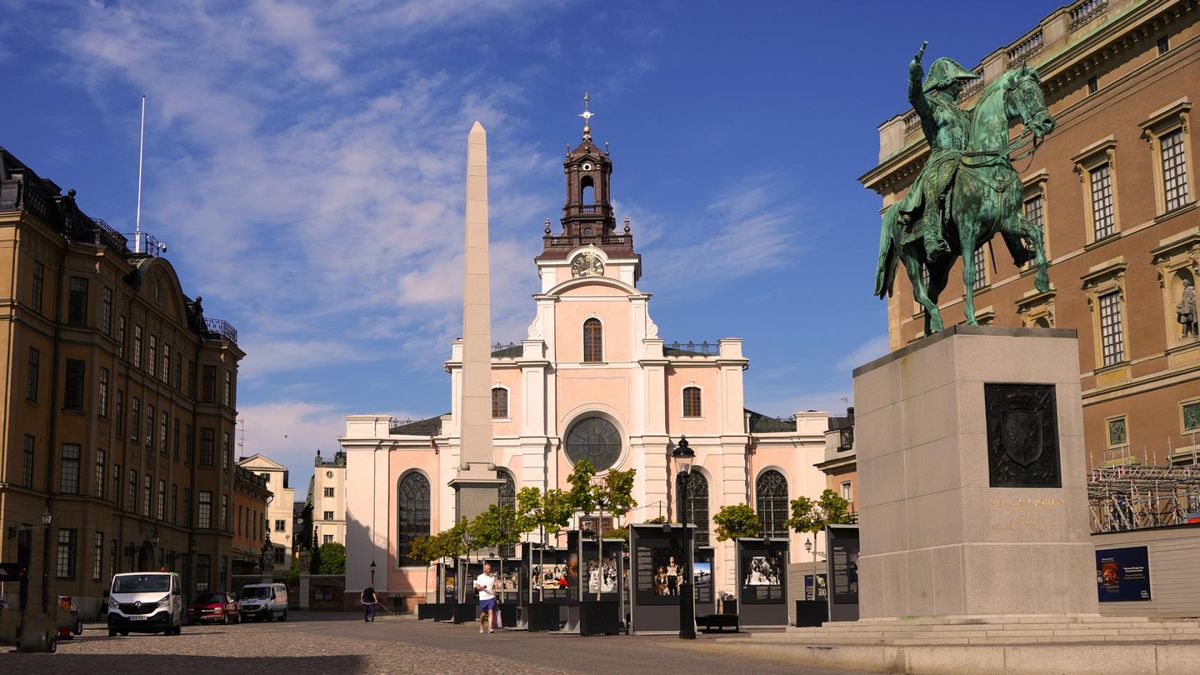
543	617
426	610
466	612
811	612
729	607
600	618
443	611
508	615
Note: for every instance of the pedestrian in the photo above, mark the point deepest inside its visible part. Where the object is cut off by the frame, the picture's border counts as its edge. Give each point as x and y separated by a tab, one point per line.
368	599
485	585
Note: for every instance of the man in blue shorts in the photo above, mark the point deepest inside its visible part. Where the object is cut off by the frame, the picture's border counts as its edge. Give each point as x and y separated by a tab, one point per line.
485	585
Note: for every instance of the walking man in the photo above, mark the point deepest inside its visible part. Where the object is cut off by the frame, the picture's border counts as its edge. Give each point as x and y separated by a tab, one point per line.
485	585
368	599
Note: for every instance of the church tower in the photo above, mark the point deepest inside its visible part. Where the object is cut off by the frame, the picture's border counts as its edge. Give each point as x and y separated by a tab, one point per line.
588	218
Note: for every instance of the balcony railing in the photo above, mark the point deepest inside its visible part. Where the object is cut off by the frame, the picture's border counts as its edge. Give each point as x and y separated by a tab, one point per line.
912	122
1085	11
221	328
1025	49
591	209
693	348
568	241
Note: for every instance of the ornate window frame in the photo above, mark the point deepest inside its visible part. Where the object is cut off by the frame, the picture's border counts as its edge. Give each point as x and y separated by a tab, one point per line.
1109	447
1183	428
1034	186
583	331
1035	306
1107	277
507	416
1088	159
1174	116
1175	254
683	408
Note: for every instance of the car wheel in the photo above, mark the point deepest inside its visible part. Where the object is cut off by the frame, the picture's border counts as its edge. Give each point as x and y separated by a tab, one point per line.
226	620
52	647
284	616
112	632
124	633
78	627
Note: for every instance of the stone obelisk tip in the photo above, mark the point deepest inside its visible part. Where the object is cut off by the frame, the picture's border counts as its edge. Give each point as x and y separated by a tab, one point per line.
477	128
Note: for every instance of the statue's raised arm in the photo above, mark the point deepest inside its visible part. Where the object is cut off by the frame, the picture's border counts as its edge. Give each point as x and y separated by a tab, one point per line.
916	96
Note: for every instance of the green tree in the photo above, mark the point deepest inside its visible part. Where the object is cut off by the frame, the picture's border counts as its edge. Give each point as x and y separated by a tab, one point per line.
736	521
811	517
332	558
494	528
424	548
582	494
836	509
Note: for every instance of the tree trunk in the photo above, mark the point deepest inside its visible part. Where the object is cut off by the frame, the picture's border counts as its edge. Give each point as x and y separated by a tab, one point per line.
600	554
542	564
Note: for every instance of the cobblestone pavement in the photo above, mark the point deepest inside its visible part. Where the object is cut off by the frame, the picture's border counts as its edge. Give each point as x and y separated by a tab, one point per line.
337	643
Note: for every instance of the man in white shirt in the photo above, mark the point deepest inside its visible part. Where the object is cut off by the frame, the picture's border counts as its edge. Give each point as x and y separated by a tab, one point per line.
485	585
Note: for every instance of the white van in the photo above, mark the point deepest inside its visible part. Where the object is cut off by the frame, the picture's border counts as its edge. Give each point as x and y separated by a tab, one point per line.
145	602
263	601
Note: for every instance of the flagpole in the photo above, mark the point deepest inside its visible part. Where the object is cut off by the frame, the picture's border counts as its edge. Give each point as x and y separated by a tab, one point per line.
137	232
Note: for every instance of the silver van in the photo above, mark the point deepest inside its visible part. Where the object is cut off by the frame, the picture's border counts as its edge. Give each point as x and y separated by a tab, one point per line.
263	601
145	602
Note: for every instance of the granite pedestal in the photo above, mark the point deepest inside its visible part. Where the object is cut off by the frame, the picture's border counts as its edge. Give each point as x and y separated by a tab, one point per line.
972	477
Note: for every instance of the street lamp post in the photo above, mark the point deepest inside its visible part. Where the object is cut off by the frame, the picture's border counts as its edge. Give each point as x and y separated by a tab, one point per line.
47	517
687	610
372	574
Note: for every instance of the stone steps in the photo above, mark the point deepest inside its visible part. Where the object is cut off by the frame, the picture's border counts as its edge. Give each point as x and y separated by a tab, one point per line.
994	633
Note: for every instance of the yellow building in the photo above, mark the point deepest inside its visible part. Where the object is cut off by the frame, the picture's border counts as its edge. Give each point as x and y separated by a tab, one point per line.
117	404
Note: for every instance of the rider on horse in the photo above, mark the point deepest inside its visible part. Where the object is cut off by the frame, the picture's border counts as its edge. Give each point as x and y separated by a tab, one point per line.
946	127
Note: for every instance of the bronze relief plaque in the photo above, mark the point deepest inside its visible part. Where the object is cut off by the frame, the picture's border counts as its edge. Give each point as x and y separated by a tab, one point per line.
1022	435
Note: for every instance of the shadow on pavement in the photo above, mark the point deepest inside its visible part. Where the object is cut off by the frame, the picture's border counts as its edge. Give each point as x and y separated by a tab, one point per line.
164	663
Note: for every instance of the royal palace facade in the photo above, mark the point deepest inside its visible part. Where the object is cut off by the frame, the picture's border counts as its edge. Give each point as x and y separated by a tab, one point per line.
1113	189
117	405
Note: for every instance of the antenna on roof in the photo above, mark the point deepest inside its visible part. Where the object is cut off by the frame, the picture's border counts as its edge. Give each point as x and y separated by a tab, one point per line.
137	231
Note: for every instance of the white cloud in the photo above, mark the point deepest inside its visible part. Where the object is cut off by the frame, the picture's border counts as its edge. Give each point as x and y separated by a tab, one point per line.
865	352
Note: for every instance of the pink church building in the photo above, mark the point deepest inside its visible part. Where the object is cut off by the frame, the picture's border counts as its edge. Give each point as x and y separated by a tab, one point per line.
592	379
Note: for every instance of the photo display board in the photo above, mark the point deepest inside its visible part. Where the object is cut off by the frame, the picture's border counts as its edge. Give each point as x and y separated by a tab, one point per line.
508	582
587	572
762	582
656	565
702	578
449	582
547	577
762	571
842	571
1123	574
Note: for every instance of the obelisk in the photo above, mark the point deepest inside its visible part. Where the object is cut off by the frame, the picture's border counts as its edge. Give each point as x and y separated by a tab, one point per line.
476	485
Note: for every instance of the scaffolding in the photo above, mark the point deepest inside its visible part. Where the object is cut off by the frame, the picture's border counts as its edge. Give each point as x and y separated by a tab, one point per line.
1137	496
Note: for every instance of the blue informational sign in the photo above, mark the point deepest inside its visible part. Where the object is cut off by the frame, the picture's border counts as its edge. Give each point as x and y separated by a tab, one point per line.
1123	574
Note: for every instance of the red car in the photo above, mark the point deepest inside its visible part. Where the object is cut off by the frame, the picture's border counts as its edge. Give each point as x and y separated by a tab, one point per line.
213	607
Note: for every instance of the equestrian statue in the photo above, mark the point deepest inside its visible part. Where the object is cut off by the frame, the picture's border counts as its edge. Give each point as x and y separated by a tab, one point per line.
968	190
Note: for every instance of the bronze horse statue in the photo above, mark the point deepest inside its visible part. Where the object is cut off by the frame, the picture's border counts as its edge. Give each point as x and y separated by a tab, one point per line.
985	199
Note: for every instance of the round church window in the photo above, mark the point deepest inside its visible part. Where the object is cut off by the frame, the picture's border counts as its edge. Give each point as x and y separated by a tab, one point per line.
596	440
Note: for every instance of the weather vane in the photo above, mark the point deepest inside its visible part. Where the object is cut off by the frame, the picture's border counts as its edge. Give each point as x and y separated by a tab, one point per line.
587	116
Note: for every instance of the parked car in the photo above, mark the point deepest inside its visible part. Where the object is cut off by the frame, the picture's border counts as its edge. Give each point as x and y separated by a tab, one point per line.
68	616
145	602
263	601
220	607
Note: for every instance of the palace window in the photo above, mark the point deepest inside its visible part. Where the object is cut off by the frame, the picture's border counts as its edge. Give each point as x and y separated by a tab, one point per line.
596	440
1164	45
1103	224
32	374
97	556
1111	335
147	489
328	492
207	441
77	302
137	346
161	510
1035	213
135	415
164	373
27	463
771	492
164	427
507	497
208	384
131	495
499	403
1190	413
328	515
69	480
691	402
696	504
64	567
204	511
73	387
979	261
413	504
150	426
1174	170
39	284
593	341
150	363
102	393
106	311
100	473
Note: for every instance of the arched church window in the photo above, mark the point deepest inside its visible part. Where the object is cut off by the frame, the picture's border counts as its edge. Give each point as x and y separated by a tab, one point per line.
499	403
413	503
596	440
593	341
696	503
771	492
691	402
508	497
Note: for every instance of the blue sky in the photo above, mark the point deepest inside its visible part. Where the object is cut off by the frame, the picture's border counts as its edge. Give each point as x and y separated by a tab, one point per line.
305	162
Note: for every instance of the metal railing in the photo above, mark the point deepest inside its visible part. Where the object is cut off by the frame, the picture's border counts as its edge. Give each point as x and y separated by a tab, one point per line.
695	348
569	241
1085	11
221	328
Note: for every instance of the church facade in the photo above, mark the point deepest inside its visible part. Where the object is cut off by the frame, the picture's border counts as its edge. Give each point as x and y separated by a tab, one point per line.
593	379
